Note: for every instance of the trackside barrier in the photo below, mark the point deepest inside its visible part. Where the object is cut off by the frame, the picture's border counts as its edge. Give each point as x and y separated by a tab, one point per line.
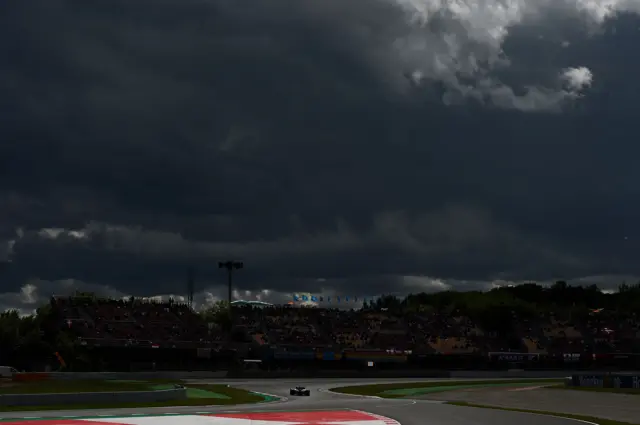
606	380
531	374
93	398
302	373
251	374
506	374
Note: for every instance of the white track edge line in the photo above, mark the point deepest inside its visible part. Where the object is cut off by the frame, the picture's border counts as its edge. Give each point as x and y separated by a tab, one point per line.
278	398
351	395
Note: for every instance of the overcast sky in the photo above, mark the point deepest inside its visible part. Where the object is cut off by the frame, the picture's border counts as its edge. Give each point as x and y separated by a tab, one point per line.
356	147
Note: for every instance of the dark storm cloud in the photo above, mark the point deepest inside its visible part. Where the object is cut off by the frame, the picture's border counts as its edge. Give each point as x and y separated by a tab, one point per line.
343	141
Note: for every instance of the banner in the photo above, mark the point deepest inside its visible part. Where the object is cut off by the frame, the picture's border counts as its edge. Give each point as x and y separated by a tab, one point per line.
328	355
571	357
615	356
328	299
295	353
612	380
513	357
382	356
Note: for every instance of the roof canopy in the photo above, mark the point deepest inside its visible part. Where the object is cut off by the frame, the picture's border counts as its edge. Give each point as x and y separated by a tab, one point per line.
256	303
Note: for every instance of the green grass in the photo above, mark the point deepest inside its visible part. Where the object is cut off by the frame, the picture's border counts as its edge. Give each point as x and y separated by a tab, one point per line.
382	390
223	395
599	421
635	391
82	386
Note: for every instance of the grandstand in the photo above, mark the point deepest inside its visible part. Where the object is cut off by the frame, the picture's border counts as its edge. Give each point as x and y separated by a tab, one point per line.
462	331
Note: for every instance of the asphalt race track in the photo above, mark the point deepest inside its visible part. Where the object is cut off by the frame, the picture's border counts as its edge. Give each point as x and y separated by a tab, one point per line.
407	412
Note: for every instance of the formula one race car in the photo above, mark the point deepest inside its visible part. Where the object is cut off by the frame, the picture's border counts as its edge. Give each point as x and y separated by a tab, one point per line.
302	391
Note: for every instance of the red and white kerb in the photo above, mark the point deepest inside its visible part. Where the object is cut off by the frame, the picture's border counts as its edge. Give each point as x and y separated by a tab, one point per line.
335	417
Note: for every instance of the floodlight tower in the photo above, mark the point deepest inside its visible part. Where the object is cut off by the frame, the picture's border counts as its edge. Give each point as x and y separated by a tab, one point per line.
190	286
230	266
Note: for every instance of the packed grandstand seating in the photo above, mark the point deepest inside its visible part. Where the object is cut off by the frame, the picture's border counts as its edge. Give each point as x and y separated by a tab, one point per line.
128	322
447	331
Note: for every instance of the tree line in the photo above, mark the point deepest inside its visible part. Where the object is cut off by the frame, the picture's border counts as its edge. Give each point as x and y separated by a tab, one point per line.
526	299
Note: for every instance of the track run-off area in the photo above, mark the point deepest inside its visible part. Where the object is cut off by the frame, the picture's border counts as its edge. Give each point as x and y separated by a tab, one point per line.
323	407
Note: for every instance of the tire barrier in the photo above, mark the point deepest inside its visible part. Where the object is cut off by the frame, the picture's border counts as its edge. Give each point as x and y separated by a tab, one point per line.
96	398
606	380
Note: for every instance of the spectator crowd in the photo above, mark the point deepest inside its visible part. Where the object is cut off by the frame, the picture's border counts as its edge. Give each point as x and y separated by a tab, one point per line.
131	322
448	332
524	319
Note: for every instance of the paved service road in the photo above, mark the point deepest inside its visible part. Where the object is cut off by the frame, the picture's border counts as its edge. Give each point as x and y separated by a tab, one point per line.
407	412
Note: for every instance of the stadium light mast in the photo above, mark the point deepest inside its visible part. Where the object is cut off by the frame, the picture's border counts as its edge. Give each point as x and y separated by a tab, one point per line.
230	266
190	286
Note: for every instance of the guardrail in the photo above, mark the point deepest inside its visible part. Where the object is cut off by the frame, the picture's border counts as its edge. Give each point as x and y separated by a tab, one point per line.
93	398
305	373
493	374
605	380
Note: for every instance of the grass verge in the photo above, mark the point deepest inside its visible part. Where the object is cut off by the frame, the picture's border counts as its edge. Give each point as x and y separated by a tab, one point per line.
600	421
82	386
634	391
378	390
233	396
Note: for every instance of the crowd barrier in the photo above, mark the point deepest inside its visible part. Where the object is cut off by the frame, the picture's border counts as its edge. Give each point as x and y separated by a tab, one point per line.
606	380
93	398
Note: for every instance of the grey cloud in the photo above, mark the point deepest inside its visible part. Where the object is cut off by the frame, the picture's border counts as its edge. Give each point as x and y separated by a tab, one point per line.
456	242
357	142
